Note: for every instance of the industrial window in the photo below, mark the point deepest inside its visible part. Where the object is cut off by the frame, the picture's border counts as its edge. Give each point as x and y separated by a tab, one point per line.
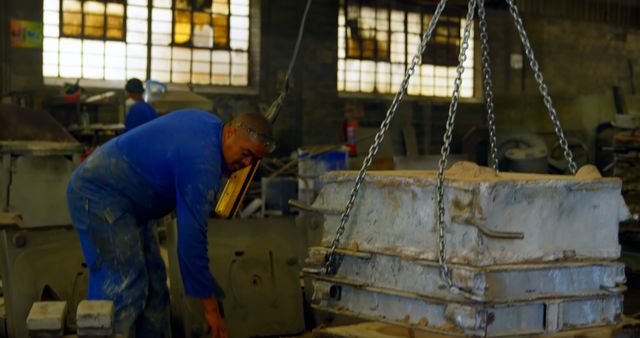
200	41
189	41
377	42
93	19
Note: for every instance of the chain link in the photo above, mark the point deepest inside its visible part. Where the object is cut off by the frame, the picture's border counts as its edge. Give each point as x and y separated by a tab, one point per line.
568	155
488	92
332	263
445	273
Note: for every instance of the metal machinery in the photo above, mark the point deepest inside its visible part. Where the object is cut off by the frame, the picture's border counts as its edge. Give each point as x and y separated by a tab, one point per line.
37	157
257	263
40	255
471	252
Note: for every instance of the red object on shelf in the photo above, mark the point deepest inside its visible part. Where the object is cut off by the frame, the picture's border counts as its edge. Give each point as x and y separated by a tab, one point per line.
73	98
350	136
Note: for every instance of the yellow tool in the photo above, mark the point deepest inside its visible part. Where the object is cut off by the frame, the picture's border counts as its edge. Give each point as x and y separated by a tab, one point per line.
231	198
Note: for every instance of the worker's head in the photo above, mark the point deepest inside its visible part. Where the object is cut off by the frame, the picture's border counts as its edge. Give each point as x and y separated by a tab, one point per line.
134	89
246	139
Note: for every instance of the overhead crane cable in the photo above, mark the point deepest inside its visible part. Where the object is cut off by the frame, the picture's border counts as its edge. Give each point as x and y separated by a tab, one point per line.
274	109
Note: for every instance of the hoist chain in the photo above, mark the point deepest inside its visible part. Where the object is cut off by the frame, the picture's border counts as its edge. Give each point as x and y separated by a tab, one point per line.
331	264
445	273
488	92
568	155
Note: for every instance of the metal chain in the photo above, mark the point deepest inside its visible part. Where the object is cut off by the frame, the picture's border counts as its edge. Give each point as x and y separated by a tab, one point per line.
488	92
568	155
331	264
445	273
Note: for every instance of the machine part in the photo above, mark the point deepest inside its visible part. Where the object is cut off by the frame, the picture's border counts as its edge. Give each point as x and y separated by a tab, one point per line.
558	215
23	124
514	282
299	205
49	259
47	174
36	154
488	91
47	319
331	264
520	143
467	319
252	261
95	318
527	160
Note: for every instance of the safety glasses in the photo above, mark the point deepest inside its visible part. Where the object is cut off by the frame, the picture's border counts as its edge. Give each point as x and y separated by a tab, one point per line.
268	143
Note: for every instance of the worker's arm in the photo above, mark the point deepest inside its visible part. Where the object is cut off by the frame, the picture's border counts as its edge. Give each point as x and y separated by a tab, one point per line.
196	189
213	318
197	180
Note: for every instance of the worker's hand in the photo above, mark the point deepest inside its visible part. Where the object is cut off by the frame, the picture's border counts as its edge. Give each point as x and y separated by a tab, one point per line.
213	318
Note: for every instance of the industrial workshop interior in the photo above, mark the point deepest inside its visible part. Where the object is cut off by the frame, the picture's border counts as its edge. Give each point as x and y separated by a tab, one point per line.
319	169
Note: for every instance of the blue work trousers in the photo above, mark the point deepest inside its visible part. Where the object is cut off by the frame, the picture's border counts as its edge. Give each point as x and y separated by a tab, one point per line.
124	262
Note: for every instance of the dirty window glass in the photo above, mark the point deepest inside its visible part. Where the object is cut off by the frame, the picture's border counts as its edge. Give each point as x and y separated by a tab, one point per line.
377	40
202	42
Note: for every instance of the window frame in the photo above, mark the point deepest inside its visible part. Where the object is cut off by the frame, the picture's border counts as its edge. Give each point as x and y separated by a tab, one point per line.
253	56
104	29
458	11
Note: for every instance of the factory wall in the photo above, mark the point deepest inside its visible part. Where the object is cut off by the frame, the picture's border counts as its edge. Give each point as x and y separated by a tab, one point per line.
581	61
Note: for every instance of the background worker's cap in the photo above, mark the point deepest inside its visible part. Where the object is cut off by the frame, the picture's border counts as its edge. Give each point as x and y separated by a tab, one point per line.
134	86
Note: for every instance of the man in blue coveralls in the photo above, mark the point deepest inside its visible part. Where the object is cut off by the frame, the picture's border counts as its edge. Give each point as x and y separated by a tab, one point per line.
173	162
140	112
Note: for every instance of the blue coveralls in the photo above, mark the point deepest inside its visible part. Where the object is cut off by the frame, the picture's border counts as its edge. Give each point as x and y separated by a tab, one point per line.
172	162
139	113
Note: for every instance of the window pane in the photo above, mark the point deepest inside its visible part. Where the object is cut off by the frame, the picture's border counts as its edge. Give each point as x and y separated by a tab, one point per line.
51	31
94	19
220	7
50	45
50	18
162	3
220	31
51	5
220	68
239	9
115	21
137	2
182	27
135	12
202	30
72	17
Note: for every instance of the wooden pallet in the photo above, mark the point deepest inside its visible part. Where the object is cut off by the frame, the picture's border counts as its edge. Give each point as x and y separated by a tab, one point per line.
627	328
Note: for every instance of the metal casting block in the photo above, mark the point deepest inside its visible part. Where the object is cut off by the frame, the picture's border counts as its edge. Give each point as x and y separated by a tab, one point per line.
467	318
516	282
491	218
